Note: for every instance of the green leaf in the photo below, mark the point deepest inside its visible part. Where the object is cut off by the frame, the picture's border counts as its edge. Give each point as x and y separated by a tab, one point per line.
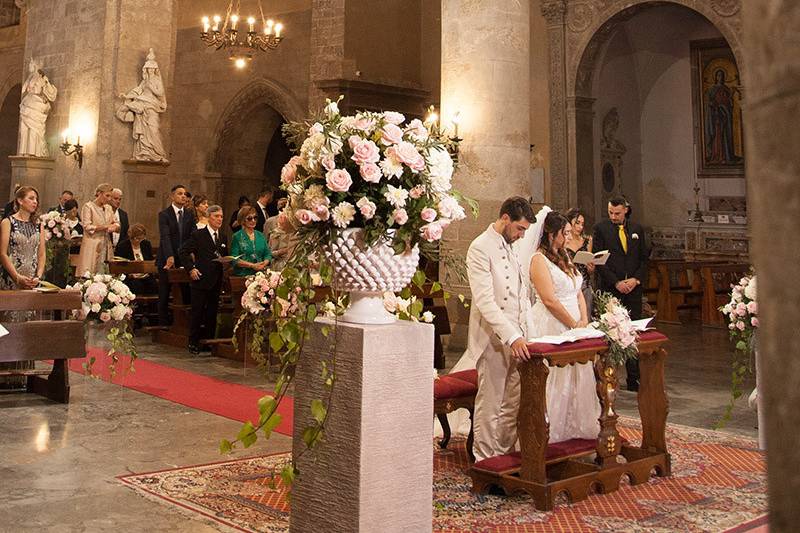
288	474
266	404
225	446
275	341
291	332
271	424
247	435
326	331
419	278
318	410
310	437
436	287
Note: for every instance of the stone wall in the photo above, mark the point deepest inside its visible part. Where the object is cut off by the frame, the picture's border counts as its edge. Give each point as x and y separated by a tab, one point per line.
9	13
12	45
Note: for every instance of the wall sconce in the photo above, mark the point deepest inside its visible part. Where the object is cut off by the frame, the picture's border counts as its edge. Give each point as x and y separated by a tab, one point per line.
432	122
75	150
455	140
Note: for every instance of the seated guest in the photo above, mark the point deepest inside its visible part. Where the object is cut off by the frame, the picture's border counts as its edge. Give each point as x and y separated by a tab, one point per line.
65	197
74	223
244	201
250	244
136	247
200	203
200	256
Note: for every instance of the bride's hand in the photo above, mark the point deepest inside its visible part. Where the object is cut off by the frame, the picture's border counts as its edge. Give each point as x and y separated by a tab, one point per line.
582	323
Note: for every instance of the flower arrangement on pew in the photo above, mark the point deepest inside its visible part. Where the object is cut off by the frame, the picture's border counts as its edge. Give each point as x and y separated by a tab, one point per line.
57	233
55	226
741	313
107	299
614	320
372	171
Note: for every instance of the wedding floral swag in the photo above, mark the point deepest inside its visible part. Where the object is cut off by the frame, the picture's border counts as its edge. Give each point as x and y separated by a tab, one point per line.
372	171
614	320
741	312
107	299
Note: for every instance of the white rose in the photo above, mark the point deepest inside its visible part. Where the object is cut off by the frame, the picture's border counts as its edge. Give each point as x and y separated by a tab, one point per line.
440	166
119	312
95	308
427	316
332	109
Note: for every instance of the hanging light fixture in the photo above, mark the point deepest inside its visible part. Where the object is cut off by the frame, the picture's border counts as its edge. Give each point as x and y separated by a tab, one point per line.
225	34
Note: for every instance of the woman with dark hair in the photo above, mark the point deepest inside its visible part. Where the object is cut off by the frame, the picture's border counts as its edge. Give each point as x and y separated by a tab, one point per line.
572	404
244	201
577	241
200	204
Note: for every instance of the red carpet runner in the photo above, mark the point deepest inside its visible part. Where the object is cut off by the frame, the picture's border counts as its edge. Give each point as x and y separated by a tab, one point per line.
237	402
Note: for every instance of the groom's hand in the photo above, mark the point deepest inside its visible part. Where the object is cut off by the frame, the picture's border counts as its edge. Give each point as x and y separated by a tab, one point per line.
519	348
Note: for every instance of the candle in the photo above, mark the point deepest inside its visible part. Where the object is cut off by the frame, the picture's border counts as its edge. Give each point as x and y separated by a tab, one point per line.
278	28
206	25
216	23
79	141
64	135
234	20
268	27
251	21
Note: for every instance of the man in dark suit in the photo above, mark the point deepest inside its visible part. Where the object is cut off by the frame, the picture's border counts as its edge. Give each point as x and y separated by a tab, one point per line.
121	217
624	274
62	201
200	255
175	225
263	205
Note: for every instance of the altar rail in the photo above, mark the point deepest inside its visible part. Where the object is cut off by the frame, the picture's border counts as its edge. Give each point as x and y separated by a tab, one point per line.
544	471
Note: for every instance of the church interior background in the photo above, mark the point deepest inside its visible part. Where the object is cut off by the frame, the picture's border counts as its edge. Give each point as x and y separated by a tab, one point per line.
566	102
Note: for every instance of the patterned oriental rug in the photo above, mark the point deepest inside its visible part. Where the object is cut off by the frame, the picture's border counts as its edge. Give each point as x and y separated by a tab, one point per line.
718	485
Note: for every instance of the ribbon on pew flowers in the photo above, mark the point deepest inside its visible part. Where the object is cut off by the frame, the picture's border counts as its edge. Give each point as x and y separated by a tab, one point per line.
107	299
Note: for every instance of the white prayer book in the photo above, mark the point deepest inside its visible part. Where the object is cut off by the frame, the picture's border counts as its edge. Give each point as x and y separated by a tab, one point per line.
577	334
642	325
587	258
3	331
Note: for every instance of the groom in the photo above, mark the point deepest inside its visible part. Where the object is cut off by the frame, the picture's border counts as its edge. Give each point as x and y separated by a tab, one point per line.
497	326
626	268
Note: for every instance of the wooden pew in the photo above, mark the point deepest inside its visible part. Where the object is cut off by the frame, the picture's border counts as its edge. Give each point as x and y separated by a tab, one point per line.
651	288
717	281
64	339
679	288
145	305
178	333
543	470
224	347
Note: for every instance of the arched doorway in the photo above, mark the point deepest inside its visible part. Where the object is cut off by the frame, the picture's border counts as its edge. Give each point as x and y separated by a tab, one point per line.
9	128
249	146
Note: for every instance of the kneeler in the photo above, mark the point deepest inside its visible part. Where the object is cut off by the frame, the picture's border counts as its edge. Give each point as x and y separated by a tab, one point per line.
451	392
544	471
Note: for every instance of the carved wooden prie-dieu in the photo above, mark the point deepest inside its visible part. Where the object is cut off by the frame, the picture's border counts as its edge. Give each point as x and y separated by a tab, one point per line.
579	467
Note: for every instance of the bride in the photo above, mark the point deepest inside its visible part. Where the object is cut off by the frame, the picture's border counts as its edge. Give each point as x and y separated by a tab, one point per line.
572	404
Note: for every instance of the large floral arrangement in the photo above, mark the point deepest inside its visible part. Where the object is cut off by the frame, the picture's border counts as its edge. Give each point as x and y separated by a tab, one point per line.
741	313
107	299
55	226
372	171
614	320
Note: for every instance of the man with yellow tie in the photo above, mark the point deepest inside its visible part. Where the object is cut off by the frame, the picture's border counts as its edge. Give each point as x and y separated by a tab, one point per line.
624	273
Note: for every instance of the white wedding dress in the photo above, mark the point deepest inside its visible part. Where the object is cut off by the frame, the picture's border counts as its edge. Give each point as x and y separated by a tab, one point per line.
573	408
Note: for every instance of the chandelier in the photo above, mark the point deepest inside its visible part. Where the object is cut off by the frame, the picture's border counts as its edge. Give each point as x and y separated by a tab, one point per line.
224	34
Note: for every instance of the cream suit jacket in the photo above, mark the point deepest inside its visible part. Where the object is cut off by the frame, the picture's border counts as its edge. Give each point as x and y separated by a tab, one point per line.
499	286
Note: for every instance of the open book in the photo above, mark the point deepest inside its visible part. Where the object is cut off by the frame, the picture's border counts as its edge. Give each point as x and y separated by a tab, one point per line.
586	258
641	325
572	335
227	258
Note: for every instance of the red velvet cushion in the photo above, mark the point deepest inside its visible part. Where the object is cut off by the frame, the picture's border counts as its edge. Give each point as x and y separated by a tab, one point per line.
543	348
447	387
652	336
470	376
502	463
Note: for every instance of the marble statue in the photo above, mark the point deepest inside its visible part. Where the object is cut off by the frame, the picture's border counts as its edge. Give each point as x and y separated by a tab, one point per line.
37	95
142	106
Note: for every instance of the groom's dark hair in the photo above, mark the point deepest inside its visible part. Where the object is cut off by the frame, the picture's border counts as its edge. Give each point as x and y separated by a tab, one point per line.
517	208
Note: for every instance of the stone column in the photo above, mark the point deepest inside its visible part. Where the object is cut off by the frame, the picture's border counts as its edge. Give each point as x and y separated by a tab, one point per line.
772	54
485	77
554	12
374	468
327	47
33	171
580	117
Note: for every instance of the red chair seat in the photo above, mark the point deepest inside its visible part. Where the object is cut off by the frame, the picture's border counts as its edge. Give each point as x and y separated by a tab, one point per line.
447	388
470	376
555	451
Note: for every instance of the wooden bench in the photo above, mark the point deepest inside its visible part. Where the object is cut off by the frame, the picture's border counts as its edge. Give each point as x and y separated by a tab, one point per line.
544	471
451	392
717	281
38	340
145	305
679	289
178	333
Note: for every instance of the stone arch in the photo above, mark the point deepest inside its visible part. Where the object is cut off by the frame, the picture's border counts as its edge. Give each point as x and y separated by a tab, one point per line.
257	93
597	28
9	126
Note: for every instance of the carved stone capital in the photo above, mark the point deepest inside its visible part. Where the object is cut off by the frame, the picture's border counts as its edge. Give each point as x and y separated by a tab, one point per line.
554	11
726	8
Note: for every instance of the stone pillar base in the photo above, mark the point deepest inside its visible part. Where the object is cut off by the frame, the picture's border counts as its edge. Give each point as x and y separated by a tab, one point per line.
146	190
33	171
374	469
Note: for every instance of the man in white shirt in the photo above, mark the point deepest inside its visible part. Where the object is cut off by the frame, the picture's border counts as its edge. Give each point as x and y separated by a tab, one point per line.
498	326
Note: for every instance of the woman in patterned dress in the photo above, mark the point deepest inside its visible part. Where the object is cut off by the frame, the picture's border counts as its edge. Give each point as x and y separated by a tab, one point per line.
23	257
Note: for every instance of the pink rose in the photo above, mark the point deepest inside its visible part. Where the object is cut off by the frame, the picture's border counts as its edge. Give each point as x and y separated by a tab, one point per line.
417	130
416	191
391	134
400	216
322	212
754	322
428	214
370	172
338	180
393	117
366	152
288	173
432	232
364	123
366	207
407	153
752	308
304	216
740	325
316	128
328	162
105	316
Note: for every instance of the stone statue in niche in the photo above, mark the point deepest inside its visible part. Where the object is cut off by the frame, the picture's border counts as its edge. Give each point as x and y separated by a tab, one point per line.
37	95
142	106
611	152
610	127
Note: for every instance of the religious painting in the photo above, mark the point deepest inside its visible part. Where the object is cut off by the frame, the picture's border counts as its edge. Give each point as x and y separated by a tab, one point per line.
717	99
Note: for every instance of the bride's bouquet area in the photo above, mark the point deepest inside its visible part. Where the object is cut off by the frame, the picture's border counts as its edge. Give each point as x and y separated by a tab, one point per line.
614	320
107	299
